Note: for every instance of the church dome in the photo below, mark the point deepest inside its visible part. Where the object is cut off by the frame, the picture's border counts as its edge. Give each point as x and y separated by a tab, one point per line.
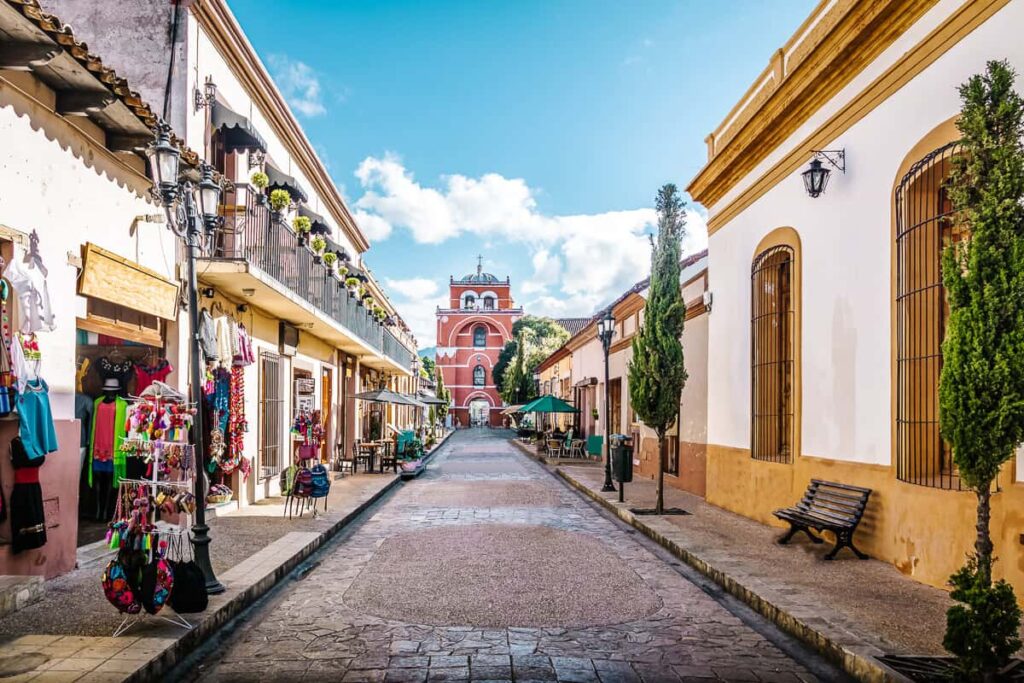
480	277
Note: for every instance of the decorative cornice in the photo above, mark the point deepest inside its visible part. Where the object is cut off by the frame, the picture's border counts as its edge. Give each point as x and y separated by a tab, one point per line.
804	75
216	19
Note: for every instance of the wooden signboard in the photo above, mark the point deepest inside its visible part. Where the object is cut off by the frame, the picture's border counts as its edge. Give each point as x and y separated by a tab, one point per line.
113	278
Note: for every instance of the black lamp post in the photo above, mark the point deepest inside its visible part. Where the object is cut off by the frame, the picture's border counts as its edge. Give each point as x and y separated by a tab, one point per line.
605	332
192	211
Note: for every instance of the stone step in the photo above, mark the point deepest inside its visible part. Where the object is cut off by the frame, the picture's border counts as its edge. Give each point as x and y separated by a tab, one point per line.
17	592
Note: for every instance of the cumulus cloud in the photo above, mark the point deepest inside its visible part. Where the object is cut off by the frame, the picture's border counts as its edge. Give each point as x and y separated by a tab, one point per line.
299	84
580	262
417	300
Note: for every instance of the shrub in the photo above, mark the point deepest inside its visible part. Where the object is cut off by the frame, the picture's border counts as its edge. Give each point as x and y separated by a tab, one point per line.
981	631
302	224
319	244
280	199
260	180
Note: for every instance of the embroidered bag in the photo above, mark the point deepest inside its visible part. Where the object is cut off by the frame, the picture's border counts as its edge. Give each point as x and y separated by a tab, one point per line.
157	584
303	483
118	589
321	482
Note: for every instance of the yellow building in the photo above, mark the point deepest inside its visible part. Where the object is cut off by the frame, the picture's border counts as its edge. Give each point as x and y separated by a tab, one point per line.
824	345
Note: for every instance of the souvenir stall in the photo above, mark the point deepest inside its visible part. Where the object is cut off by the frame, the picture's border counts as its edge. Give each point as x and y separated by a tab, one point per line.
228	350
34	478
306	481
149	527
119	353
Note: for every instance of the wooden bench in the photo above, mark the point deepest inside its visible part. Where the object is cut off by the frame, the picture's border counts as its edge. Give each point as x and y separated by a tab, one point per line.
827	506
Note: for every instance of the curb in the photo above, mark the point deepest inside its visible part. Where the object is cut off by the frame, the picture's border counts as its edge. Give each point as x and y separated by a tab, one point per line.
853	655
156	668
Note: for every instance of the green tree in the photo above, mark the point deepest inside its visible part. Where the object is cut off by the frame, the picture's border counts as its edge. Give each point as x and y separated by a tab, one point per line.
505	358
427	365
442	393
657	373
518	386
542	337
981	387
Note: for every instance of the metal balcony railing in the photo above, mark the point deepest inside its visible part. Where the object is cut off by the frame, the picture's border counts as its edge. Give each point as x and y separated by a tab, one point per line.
253	233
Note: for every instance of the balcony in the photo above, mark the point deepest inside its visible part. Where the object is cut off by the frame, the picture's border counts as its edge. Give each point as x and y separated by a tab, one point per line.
255	257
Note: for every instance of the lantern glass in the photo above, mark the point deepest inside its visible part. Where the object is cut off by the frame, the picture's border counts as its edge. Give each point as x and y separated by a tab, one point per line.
815	178
208	195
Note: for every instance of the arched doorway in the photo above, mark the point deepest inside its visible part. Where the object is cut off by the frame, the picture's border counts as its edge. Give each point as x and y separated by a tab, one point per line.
479	412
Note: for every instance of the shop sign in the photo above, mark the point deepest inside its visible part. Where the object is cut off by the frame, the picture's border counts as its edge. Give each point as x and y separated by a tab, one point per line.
113	278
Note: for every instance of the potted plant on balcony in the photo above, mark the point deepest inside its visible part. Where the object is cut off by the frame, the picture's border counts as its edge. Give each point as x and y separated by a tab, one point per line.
340	271
330	260
353	285
318	244
368	300
280	200
260	181
302	225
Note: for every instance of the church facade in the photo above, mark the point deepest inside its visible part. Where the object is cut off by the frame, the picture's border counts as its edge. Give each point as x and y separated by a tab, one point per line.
471	332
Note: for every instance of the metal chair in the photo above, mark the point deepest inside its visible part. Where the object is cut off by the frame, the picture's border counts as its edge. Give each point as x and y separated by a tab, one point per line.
554	448
576	449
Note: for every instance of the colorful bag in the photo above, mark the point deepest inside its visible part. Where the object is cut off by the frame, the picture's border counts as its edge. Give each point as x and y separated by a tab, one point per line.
303	483
118	589
321	482
287	480
157	583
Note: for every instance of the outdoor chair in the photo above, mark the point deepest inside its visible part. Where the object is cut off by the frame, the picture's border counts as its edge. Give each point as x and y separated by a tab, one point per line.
554	448
576	449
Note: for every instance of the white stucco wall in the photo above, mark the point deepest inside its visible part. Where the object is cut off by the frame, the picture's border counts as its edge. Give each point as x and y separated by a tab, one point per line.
846	251
59	182
206	61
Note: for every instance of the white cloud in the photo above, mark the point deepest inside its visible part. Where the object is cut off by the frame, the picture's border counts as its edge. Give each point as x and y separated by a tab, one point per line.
417	300
413	287
299	84
580	262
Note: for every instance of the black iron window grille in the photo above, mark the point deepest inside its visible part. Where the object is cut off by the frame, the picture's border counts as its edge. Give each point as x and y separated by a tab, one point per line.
924	227
771	356
271	415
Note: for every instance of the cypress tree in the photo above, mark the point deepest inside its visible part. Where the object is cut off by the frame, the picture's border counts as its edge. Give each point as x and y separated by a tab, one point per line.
442	393
657	372
981	388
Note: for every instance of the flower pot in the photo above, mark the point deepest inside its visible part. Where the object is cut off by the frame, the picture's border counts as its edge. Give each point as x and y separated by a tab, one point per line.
317	258
302	239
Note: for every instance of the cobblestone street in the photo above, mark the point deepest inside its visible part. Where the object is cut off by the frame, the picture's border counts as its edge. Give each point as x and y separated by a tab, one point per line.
488	568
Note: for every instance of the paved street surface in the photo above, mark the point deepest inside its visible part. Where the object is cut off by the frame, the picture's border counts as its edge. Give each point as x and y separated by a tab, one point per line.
488	568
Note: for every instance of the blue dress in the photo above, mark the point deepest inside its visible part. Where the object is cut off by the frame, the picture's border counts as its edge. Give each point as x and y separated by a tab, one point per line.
35	421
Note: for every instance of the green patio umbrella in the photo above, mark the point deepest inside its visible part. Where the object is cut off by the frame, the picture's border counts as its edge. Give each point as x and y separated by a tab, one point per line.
548	404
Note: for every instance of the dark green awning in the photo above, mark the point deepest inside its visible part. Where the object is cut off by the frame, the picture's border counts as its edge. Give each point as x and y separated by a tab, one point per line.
279	180
237	132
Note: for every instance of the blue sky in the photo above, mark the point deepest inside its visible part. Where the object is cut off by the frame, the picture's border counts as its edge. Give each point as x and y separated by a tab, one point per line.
532	132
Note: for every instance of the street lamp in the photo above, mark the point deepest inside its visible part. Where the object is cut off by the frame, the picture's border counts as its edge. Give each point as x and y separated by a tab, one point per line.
192	214
605	332
416	389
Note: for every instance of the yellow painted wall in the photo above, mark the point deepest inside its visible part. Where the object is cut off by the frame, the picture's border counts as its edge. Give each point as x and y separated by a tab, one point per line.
925	532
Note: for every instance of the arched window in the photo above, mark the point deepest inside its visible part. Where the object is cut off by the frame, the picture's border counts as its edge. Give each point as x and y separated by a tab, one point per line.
923	230
771	357
488	303
480	336
479	376
468	301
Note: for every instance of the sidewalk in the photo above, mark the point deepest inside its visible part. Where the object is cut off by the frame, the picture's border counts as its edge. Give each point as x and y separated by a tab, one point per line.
65	636
849	609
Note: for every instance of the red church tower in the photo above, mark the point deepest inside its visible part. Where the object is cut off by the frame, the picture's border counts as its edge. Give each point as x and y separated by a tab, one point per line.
470	334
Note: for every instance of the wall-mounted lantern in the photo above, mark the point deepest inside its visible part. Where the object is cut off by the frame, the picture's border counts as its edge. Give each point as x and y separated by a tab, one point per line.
816	177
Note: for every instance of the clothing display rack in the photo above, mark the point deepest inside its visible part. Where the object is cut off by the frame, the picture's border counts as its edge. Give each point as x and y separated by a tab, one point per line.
159	396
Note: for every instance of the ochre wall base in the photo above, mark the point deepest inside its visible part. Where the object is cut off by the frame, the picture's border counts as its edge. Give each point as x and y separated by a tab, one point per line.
924	532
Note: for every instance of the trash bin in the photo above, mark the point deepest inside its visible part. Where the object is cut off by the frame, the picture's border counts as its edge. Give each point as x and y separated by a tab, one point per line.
622	457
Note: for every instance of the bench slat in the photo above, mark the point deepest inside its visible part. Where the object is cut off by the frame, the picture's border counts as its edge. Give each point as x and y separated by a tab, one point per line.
837	485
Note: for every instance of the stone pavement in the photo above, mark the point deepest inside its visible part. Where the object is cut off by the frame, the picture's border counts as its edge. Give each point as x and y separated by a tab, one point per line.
66	635
532	583
858	608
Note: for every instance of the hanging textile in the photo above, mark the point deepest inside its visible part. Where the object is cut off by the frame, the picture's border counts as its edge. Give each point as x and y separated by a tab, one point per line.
237	425
35	421
220	402
225	340
119	431
145	375
28	522
245	355
120	370
26	359
208	336
29	285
